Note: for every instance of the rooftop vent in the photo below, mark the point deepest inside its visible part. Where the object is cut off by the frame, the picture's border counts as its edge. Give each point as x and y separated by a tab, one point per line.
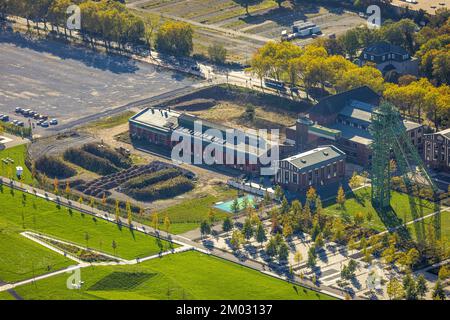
325	153
303	160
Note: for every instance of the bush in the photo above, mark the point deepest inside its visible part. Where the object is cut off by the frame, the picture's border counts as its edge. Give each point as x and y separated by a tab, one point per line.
151	178
54	167
162	190
16	130
89	161
115	157
217	53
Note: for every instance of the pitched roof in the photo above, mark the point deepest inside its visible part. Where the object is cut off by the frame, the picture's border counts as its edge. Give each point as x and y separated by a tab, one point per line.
335	103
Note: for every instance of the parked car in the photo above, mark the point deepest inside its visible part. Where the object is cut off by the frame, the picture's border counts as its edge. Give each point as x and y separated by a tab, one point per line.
44	124
4	118
53	122
20	123
19	110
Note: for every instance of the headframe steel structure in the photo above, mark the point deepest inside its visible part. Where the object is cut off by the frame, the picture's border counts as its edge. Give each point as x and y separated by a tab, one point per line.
391	140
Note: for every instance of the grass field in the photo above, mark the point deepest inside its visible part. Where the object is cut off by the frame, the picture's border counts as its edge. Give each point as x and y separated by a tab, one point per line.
190	213
360	202
188	275
18	154
28	212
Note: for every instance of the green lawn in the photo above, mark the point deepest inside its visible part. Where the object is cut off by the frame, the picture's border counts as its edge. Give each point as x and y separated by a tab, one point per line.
34	213
18	154
22	258
190	213
360	202
4	295
421	227
189	275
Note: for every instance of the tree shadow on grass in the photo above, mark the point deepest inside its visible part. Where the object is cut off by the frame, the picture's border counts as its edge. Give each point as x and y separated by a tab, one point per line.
132	233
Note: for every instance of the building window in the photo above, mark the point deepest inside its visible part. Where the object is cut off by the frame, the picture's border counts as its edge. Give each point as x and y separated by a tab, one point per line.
294	178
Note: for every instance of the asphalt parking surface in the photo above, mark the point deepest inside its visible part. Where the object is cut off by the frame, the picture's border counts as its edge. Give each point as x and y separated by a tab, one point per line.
70	83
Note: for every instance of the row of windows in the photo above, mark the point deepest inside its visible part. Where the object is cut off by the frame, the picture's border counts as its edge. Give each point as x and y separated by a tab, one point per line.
384	57
352	124
325	172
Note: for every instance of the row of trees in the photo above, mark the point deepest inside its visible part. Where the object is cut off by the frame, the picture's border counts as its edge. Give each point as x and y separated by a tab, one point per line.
313	66
429	44
413	288
108	21
421	98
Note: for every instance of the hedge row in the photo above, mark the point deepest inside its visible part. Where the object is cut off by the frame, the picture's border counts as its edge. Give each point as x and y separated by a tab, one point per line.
115	157
151	178
54	167
89	161
162	190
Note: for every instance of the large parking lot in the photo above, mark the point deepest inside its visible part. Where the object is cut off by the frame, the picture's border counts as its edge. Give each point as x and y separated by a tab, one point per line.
67	83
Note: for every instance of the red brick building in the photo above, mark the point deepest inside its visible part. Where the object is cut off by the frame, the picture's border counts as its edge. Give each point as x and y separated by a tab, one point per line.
316	167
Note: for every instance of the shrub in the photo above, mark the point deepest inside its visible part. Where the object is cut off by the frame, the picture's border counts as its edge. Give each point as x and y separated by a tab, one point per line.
151	178
162	190
54	167
115	157
89	161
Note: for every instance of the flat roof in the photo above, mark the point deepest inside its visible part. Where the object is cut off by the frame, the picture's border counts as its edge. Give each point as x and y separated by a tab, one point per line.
157	118
166	121
356	113
319	155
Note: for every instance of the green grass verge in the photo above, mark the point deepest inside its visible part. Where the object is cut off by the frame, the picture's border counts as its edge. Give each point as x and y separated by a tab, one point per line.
189	275
18	154
4	295
34	213
360	201
113	121
22	258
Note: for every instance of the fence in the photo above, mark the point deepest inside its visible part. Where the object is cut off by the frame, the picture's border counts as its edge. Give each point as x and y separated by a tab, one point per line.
248	188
